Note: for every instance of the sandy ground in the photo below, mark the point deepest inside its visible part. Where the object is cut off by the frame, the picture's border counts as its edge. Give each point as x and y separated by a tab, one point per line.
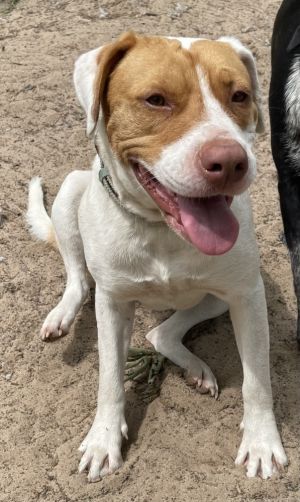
181	446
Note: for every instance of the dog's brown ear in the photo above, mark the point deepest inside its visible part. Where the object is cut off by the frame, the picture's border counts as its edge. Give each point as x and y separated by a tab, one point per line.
91	74
248	60
107	60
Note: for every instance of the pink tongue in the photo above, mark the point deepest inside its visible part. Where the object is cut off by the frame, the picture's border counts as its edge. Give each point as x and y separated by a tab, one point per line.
209	223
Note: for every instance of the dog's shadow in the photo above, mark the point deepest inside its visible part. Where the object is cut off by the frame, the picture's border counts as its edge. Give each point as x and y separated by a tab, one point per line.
84	339
214	342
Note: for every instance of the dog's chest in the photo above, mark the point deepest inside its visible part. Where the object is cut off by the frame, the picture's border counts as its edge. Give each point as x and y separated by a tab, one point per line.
133	260
161	290
160	277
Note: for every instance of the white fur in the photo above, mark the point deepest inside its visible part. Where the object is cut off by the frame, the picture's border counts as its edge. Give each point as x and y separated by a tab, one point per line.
136	257
40	225
292	105
186	42
85	70
292	92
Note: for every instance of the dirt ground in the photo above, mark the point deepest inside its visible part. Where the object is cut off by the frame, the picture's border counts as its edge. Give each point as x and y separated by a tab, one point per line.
181	446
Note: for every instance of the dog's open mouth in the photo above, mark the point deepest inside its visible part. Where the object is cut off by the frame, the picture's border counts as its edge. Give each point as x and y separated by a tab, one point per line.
208	223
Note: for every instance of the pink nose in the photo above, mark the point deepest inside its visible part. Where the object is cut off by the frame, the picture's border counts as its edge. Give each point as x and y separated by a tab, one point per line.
223	163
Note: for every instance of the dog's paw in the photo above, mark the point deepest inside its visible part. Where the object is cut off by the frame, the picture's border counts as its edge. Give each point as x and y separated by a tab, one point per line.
261	450
203	381
102	449
57	323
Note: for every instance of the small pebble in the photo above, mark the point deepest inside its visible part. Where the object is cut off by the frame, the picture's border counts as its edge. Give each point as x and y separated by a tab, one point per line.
179	10
103	13
248	29
29	87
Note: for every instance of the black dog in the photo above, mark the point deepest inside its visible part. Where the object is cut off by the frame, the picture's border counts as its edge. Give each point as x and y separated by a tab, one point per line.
284	103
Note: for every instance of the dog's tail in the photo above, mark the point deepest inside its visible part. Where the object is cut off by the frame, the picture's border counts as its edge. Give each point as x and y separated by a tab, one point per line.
40	224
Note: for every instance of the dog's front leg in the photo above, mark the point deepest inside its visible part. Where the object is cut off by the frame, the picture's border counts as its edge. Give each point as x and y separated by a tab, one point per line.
261	448
102	446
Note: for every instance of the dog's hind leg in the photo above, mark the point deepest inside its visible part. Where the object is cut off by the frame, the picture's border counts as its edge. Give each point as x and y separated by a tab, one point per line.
65	222
167	339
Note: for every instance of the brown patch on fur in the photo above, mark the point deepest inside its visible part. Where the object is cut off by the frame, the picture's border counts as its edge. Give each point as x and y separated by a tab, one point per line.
135	67
107	59
226	74
153	66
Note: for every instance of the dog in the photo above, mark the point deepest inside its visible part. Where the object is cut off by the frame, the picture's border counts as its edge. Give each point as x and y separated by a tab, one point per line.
284	106
164	218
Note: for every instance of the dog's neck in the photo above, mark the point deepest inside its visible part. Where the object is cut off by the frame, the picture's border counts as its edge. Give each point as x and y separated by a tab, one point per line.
120	182
105	177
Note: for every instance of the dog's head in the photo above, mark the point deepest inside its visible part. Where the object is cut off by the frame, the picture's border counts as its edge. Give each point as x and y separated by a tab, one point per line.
177	118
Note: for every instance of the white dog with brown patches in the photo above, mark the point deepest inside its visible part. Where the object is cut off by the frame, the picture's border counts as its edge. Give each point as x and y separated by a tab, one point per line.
164	218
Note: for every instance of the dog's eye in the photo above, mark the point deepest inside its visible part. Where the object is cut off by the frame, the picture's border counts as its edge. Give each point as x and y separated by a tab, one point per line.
239	97
156	100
